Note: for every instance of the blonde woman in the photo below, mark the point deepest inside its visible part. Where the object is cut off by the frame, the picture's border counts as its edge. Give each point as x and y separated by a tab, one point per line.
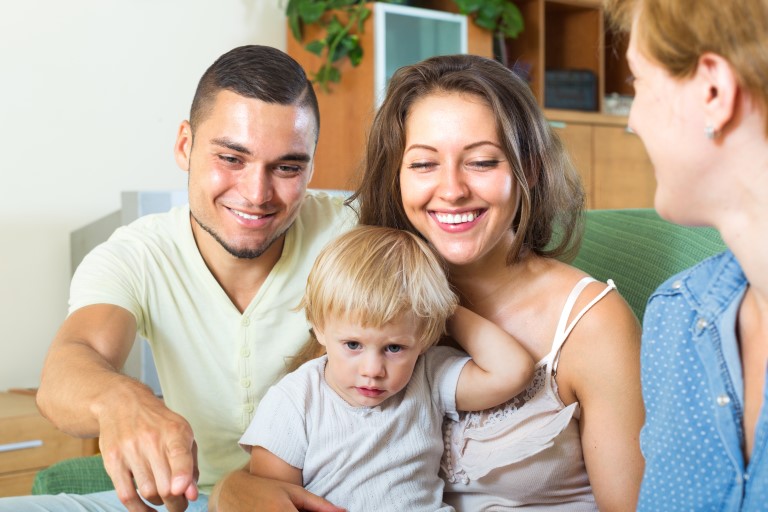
700	73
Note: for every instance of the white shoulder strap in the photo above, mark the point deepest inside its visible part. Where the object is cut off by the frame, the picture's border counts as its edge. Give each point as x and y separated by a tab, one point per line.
562	332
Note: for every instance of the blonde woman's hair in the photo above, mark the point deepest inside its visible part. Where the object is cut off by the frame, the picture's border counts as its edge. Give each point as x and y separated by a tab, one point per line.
675	33
372	276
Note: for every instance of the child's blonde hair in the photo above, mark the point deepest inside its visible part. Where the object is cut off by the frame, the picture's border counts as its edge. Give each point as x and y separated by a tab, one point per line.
373	275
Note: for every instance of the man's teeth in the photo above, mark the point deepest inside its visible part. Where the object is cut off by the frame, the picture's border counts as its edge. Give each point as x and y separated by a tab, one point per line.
247	216
456	218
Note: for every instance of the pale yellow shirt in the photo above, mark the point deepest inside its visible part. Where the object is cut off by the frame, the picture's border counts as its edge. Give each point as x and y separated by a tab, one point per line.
214	363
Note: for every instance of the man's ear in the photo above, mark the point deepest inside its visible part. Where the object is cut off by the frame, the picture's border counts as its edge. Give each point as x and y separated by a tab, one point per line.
719	89
182	149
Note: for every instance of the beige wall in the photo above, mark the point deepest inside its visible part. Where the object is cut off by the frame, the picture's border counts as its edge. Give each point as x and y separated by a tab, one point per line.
91	94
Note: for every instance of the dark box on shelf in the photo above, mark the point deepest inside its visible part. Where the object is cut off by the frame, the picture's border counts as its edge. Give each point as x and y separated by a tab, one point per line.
570	89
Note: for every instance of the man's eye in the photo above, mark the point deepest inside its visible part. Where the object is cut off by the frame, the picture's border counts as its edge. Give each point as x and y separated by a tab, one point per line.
229	159
289	169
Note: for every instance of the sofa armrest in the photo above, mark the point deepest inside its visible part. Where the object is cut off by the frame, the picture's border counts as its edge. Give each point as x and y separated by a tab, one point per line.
81	475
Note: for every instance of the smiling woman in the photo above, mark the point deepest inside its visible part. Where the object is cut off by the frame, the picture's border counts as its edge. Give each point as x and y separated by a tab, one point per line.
460	154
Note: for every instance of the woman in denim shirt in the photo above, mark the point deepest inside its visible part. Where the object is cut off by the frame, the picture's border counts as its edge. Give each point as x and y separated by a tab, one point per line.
701	96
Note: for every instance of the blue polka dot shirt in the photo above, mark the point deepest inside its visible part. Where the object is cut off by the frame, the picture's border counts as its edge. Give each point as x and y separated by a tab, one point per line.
693	436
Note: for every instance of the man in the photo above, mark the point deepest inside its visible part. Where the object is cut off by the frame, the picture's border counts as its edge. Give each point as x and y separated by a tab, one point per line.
212	286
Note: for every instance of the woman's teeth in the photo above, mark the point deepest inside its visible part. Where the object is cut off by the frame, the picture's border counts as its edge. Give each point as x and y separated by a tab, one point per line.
456	218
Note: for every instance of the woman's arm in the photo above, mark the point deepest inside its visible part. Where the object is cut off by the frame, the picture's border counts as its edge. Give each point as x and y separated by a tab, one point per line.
600	365
500	367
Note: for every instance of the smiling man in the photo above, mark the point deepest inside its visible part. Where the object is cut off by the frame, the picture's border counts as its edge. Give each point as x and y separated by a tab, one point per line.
212	286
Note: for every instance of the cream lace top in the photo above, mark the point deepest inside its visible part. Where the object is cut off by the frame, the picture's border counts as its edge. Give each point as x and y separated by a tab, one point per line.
527	452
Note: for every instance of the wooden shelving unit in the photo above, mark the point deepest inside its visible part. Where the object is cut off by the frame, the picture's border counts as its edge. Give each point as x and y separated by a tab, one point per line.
571	35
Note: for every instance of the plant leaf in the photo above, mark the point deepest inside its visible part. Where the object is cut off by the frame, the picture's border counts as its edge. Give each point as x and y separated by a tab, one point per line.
316	47
334	75
512	21
312	12
355	55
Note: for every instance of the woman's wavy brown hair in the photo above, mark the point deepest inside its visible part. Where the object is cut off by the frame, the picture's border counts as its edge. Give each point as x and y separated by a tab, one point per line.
549	221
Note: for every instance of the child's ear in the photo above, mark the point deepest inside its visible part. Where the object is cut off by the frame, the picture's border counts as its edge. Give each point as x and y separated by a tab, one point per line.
318	335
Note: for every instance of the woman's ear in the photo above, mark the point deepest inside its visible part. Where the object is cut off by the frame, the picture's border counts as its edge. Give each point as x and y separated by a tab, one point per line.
182	149
719	90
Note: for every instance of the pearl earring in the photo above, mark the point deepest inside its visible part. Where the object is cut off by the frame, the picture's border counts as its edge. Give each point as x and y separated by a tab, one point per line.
709	131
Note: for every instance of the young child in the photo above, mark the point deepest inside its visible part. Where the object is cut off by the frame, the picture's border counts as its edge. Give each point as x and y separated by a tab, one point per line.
361	426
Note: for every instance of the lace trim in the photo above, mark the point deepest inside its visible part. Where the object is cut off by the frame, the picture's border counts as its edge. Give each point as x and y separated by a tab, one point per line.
480	419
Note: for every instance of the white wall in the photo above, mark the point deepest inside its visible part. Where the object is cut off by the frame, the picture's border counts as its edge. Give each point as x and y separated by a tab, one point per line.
91	95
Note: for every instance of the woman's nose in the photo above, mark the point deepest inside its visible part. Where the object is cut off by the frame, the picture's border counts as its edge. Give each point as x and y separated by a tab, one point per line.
452	186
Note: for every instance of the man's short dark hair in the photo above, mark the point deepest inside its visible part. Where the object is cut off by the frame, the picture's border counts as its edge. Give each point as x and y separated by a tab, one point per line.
254	71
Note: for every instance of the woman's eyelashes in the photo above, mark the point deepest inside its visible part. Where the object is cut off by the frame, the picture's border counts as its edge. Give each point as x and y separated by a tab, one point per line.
490	163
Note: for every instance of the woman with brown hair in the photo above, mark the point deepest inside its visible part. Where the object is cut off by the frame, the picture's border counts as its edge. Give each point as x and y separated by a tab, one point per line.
461	154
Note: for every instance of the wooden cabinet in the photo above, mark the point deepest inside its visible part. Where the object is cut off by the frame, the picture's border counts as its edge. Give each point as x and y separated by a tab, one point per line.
612	161
347	111
29	443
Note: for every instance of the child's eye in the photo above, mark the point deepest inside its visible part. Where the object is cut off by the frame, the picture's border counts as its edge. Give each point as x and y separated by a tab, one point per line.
352	345
394	348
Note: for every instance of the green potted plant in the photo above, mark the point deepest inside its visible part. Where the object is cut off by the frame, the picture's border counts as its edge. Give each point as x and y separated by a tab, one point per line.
341	39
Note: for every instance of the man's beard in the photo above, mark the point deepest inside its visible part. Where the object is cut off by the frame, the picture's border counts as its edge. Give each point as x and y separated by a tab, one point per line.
247	253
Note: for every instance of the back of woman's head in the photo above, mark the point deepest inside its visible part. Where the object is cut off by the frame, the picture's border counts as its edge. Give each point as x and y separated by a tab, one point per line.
375	275
675	33
552	196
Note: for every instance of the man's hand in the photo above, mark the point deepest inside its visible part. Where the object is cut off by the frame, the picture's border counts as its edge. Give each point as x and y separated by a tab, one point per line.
242	492
142	440
84	394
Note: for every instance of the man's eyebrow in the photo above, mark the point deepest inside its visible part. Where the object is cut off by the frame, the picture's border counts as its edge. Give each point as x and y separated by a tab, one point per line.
234	146
230	144
295	157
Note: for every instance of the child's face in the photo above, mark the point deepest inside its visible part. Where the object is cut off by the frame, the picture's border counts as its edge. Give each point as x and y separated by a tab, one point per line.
367	365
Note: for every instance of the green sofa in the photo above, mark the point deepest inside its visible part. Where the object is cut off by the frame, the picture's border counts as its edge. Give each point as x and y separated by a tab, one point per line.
635	248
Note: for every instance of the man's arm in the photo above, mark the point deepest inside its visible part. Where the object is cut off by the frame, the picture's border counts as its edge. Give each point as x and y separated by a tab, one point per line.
83	393
241	491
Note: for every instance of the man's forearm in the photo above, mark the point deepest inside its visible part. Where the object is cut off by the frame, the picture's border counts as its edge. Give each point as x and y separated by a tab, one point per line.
77	385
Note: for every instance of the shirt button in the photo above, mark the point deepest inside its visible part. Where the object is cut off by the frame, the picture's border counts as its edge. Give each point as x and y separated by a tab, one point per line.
723	400
677	284
245	352
246	383
248	407
701	323
246	322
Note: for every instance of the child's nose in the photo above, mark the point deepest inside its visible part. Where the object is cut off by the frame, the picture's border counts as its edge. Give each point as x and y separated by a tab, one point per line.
373	366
